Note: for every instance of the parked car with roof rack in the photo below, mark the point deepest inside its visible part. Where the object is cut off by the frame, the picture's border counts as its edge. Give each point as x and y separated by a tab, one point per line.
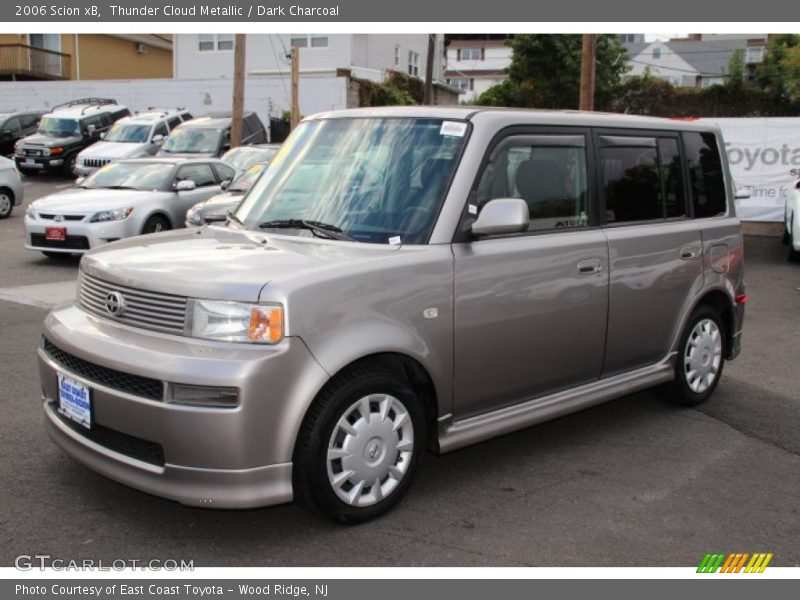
136	136
244	157
122	199
15	125
63	132
210	135
11	188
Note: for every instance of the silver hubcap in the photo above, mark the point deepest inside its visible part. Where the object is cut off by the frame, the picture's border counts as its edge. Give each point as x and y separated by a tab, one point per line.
370	450
703	356
5	204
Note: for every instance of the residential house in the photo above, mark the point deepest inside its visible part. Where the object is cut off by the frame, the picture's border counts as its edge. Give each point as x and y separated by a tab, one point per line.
700	60
81	56
476	62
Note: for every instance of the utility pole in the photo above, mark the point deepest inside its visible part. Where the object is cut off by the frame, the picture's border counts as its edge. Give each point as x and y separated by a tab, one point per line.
428	98
237	115
295	86
588	57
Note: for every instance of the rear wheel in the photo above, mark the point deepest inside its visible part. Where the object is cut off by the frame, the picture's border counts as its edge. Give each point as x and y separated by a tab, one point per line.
155	224
6	203
68	169
700	360
794	255
360	445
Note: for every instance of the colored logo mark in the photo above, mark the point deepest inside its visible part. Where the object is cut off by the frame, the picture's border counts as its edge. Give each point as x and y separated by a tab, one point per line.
740	562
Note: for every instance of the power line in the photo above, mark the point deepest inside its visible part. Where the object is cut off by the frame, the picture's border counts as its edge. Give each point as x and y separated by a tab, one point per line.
278	65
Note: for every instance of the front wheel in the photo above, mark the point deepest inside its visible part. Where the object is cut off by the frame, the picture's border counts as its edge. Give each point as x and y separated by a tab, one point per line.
700	359
794	255
155	224
6	203
360	445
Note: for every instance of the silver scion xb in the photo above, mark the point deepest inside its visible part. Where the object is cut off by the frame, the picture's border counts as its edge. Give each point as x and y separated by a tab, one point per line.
400	279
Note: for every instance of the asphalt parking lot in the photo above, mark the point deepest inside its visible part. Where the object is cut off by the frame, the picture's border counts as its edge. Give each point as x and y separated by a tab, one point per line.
634	482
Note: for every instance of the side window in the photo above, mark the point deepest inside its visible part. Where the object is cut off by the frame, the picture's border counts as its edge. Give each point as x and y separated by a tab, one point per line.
30	121
672	177
11	125
186	116
630	178
705	174
173	122
92	121
201	174
547	171
224	172
161	129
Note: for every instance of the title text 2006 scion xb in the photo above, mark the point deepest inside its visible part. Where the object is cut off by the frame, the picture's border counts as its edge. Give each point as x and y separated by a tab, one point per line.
400	280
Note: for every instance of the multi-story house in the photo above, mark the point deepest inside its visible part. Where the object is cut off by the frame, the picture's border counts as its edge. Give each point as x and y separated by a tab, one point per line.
476	62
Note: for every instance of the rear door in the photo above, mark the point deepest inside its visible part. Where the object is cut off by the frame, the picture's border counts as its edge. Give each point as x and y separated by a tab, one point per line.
531	308
655	248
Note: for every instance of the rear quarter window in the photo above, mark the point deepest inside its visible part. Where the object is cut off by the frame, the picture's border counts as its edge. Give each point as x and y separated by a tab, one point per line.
705	174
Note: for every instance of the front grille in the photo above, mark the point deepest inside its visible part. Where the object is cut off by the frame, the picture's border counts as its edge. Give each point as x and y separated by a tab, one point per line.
51	217
148	310
116	441
145	387
73	242
95	162
32	152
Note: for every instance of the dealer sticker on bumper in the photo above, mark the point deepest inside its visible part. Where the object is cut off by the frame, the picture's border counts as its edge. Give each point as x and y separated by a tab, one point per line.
74	401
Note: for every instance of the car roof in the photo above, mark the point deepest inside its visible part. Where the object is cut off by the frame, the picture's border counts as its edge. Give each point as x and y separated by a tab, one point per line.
208	122
80	111
4	114
177	160
519	115
150	116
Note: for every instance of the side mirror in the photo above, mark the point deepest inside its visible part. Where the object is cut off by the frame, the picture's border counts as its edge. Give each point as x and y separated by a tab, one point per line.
742	193
157	139
185	185
215	218
224	184
501	216
80	180
102	134
91	129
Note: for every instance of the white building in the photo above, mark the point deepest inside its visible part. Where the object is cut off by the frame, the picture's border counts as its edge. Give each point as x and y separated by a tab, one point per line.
698	61
475	65
322	56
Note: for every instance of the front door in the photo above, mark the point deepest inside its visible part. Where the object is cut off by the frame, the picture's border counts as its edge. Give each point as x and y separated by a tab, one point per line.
531	308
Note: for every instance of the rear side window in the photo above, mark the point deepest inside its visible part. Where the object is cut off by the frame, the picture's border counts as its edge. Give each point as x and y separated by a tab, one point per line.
29	121
642	178
161	129
186	116
705	174
547	171
224	172
174	122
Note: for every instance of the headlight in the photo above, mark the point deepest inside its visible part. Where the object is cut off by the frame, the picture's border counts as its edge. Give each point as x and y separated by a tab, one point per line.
194	217
236	322
29	212
111	215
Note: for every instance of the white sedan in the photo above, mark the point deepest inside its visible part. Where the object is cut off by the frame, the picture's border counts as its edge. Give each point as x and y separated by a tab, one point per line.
123	199
791	234
11	190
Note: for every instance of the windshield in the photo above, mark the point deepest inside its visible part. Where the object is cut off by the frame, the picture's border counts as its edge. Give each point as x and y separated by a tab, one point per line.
59	127
135	134
246	180
134	176
190	139
377	180
244	157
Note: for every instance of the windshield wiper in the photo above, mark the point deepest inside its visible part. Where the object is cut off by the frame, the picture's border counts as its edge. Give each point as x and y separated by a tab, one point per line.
320	229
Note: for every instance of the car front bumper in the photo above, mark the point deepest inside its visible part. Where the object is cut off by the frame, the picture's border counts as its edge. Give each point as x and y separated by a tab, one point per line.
82	236
84	171
38	163
204	456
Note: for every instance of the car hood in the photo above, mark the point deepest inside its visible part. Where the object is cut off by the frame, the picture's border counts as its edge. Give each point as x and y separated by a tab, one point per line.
112	150
38	139
221	263
220	201
85	201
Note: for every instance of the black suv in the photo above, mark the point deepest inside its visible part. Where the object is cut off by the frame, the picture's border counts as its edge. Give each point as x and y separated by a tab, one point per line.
15	125
210	135
65	131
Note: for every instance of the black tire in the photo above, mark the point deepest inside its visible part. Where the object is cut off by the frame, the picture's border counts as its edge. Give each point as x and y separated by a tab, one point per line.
794	255
6	203
313	489
680	391
156	224
27	172
68	169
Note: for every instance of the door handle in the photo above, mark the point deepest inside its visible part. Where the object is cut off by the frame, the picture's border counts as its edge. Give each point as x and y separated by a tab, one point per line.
689	252
588	267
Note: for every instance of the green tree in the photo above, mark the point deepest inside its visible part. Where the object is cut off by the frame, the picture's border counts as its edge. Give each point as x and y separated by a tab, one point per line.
545	71
778	75
737	70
